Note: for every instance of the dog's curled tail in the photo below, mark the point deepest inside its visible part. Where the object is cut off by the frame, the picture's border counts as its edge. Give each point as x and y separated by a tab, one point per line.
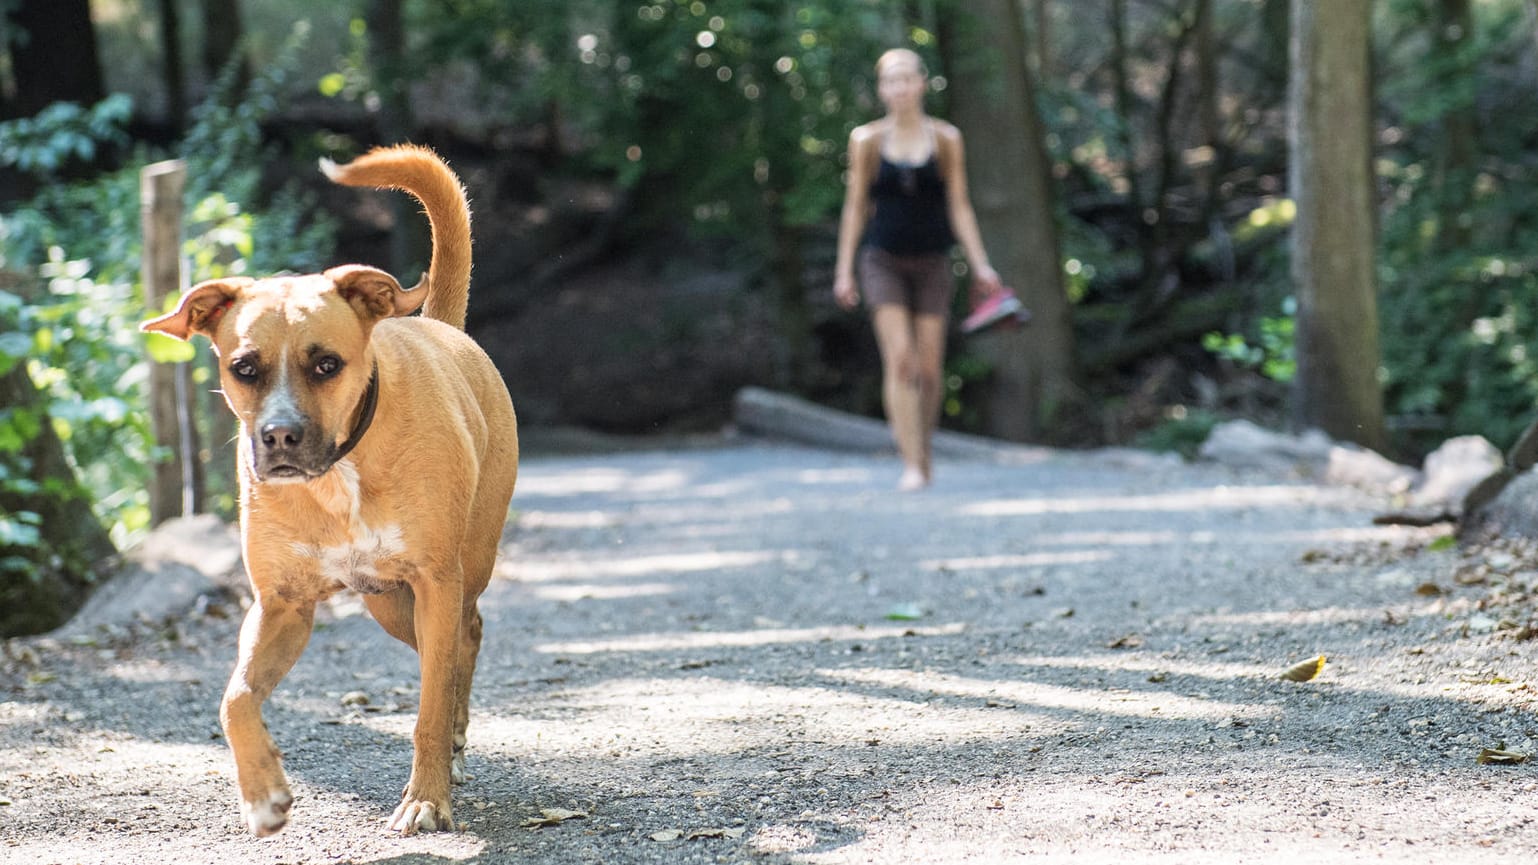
422	173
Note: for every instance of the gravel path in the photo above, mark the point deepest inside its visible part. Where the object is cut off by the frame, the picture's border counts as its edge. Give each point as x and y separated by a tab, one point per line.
757	653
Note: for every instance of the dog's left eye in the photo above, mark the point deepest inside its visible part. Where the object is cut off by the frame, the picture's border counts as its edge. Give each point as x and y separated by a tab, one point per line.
327	366
244	369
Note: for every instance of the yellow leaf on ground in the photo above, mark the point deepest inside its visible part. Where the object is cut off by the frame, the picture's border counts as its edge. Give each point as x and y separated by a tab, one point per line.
1303	672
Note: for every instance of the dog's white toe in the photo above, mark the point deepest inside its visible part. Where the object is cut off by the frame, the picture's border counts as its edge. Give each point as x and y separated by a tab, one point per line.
269	814
415	815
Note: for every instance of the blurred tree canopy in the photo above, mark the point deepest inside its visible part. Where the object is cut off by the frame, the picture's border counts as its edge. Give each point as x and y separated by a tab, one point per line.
709	135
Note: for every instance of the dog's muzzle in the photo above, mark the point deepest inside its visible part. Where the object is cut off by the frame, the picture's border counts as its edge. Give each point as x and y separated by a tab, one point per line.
287	446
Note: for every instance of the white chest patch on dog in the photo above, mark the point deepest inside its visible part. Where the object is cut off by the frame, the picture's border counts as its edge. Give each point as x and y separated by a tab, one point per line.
357	563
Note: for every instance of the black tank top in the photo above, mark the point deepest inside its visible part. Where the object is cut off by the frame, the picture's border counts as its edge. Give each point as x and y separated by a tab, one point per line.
910	217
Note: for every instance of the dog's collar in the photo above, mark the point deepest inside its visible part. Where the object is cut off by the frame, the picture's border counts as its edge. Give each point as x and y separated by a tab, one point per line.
365	418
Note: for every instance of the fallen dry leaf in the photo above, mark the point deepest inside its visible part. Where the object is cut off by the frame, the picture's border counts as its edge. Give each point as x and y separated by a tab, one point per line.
692	834
1305	670
552	817
734	832
1500	757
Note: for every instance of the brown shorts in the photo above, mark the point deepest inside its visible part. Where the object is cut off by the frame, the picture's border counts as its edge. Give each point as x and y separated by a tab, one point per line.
922	283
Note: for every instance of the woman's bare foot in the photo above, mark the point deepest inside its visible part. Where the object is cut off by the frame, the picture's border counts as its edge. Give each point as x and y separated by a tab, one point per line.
912	480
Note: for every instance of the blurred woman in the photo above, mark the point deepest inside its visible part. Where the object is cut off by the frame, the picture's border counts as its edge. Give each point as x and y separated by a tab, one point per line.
905	207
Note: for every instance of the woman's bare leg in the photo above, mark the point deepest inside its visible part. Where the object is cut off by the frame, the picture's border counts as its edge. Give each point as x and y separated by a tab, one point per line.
929	351
900	390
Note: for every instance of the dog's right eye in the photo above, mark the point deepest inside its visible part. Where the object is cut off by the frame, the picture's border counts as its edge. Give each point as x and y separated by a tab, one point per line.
243	369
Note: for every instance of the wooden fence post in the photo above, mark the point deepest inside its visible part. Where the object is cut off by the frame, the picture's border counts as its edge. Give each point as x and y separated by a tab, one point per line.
176	487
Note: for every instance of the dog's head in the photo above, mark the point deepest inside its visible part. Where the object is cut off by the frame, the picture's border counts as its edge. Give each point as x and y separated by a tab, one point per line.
294	357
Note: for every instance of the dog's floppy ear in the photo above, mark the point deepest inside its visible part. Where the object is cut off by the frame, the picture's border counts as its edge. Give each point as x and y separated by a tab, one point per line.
200	309
374	293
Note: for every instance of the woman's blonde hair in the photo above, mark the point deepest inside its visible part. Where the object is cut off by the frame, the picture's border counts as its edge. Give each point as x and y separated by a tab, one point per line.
896	54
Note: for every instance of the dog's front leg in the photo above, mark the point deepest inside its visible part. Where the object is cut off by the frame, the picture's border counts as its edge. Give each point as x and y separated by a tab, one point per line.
425	803
272	637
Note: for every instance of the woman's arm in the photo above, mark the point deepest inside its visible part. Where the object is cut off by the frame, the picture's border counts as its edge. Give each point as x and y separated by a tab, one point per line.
851	222
958	206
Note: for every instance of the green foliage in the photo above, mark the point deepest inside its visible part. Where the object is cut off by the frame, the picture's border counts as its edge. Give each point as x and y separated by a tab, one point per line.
965	375
729	115
1458	307
1182	433
77	329
63	132
1273	350
769	91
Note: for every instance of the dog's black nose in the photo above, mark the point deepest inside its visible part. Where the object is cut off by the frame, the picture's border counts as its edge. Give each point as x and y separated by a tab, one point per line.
282	436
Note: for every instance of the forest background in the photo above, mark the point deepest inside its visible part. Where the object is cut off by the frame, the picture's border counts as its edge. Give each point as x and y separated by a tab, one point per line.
656	187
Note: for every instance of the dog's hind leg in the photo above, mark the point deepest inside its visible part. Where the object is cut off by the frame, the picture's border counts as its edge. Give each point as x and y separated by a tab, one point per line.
479	558
272	638
425	803
464	675
395	612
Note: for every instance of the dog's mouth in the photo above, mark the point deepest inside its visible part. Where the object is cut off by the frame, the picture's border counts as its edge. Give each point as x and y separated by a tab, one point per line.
291	468
285	473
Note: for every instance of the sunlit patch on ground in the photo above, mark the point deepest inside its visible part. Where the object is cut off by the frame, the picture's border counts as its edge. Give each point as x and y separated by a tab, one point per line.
671	642
1026	695
1021	560
1207	498
532	570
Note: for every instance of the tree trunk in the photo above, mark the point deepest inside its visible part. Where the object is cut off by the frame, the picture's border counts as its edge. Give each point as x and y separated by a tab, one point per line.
1122	83
1454	181
777	128
1207	169
1330	138
1041	41
409	246
1274	47
53	56
61	570
221	41
992	100
171	64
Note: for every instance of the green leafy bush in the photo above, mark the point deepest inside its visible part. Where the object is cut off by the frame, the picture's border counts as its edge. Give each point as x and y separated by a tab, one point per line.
1272	351
1458	278
62	132
76	248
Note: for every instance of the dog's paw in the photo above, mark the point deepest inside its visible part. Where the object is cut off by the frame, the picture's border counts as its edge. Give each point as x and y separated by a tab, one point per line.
457	766
420	815
267	815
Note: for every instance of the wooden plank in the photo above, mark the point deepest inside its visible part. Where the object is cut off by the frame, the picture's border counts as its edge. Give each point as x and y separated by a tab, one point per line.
176	483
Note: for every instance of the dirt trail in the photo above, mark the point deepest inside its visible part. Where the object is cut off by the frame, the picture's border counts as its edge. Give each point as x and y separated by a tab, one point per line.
755	653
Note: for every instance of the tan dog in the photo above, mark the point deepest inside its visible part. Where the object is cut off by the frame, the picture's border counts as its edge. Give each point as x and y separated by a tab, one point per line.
377	453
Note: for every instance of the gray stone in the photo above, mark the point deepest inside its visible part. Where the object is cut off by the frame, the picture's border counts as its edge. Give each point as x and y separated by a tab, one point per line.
163	577
1368	470
1453	469
1243	444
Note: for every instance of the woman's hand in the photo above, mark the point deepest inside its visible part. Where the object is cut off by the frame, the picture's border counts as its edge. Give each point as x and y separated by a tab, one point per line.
985	281
845	292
